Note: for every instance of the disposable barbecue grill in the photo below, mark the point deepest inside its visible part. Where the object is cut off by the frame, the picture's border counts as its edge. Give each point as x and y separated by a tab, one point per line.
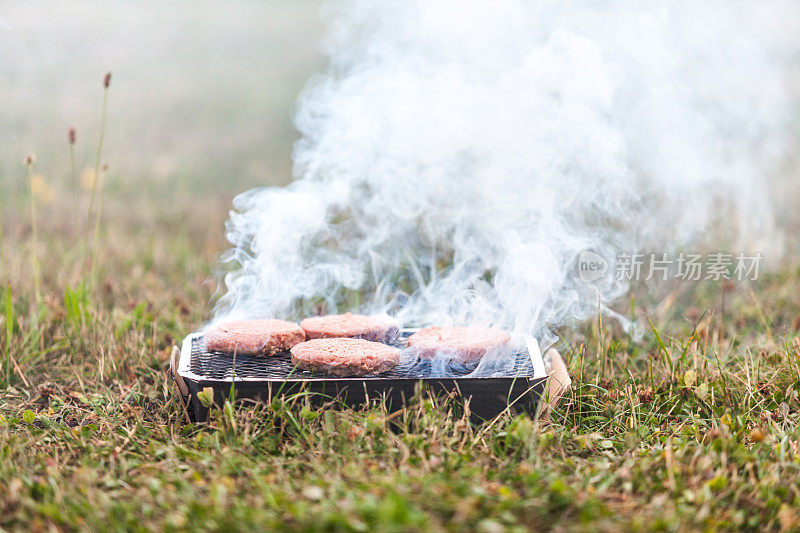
518	387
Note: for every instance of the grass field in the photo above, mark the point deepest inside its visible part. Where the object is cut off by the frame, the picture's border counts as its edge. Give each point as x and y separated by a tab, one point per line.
691	431
692	427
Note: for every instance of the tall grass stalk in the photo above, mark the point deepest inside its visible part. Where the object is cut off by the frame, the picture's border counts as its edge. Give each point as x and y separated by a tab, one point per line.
97	213
96	184
71	136
34	236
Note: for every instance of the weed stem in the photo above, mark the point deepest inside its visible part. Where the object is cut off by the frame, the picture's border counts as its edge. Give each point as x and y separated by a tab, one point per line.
34	235
96	185
74	178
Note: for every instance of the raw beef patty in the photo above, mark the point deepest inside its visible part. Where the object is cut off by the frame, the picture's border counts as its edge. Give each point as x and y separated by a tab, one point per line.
371	328
468	344
345	356
253	336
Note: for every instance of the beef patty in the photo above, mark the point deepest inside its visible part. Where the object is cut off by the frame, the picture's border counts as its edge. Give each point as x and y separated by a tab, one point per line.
253	336
345	356
468	344
371	328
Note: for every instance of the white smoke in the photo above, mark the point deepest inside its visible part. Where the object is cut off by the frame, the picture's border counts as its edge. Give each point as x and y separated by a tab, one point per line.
458	156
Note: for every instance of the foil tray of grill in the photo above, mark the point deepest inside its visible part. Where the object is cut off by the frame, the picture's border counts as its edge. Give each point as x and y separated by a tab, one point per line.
517	386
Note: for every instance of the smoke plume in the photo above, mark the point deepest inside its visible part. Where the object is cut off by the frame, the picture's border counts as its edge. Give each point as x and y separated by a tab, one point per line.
457	157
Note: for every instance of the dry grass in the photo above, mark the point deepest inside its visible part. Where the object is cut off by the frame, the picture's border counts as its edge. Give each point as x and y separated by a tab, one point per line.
693	427
691	432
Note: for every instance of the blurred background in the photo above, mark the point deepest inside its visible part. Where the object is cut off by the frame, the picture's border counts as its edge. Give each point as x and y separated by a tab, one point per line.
200	101
199	109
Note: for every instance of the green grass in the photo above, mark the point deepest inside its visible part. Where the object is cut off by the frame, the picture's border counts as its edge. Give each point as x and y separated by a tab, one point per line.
683	429
679	430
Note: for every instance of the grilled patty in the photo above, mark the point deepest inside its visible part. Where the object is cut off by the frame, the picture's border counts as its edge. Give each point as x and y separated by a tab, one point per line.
345	356
468	344
348	325
253	337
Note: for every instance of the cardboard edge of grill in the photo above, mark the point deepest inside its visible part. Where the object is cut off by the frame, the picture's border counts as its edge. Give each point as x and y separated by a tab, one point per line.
487	396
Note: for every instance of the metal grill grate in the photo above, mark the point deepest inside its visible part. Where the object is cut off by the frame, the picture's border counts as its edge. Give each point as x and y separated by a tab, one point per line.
221	366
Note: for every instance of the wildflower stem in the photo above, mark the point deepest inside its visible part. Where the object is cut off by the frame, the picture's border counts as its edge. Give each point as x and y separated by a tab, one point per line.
34	236
96	177
96	185
96	228
73	177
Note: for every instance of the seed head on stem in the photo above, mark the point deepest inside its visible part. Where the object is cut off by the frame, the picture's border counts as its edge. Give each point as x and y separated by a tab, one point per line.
96	209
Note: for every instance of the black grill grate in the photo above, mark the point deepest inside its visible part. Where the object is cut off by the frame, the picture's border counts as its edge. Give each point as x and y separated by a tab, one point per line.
221	366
